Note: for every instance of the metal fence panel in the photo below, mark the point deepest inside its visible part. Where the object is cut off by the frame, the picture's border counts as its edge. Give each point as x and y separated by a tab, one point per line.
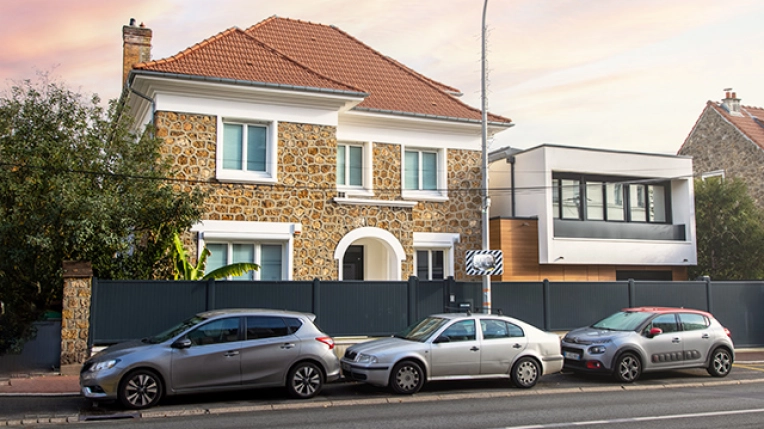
282	295
521	300
371	308
430	297
671	294
739	307
129	309
576	304
467	292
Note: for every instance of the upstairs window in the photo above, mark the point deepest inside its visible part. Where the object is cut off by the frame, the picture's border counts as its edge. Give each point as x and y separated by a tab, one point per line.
246	152
421	170
349	165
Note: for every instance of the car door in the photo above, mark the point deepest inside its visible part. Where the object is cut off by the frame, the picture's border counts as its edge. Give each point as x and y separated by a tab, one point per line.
501	343
213	360
696	337
268	351
664	350
458	351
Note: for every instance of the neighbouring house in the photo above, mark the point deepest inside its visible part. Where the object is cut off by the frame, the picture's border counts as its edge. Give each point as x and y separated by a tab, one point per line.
323	157
575	214
728	140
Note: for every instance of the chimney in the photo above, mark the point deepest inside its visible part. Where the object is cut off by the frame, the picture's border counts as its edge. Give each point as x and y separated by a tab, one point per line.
136	47
731	103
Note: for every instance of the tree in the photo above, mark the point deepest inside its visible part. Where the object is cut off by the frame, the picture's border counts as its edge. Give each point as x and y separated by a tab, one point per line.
184	269
730	231
77	184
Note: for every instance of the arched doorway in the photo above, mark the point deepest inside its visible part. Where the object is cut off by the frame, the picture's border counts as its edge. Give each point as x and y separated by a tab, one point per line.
369	254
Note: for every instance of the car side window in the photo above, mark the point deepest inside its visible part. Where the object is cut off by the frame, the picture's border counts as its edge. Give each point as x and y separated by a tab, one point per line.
266	327
463	330
293	324
216	332
693	322
494	329
666	322
515	331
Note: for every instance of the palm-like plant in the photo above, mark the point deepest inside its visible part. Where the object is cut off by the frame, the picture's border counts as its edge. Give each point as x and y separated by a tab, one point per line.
183	269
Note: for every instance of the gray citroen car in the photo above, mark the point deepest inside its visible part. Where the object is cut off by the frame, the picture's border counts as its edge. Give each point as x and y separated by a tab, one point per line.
645	339
455	346
215	351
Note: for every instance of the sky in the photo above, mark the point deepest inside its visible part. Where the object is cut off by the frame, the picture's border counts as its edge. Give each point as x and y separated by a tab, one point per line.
628	75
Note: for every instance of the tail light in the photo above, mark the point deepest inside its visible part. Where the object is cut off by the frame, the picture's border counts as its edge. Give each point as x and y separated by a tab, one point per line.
727	331
329	341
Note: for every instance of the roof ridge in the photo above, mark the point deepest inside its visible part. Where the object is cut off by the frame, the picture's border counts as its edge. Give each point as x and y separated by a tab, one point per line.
190	49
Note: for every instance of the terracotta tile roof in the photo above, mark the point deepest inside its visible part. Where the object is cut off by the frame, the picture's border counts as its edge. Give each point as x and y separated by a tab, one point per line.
393	87
751	123
235	55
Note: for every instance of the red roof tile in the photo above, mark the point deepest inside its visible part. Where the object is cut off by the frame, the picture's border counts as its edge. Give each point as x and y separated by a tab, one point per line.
235	55
751	123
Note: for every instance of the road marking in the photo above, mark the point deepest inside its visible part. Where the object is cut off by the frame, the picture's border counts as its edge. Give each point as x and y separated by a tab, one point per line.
638	419
737	365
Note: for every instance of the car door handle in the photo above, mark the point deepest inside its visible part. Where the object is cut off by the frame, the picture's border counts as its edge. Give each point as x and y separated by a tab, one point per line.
675	340
231	353
474	349
517	346
705	336
287	346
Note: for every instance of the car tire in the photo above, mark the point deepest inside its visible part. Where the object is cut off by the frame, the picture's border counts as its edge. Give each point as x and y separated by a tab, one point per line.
627	368
140	389
407	378
526	373
305	380
721	362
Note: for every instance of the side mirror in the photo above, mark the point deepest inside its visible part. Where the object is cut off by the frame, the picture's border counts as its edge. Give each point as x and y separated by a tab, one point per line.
442	339
182	343
654	331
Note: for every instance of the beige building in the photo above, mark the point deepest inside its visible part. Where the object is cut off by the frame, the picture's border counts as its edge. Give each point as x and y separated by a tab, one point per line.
322	157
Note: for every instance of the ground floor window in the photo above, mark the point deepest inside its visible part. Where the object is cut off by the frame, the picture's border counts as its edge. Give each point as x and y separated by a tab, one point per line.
430	264
270	257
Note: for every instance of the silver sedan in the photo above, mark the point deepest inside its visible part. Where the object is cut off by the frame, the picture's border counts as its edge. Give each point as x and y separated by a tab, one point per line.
455	346
215	351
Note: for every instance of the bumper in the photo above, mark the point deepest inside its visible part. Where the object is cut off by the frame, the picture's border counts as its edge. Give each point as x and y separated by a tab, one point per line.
376	374
580	360
101	385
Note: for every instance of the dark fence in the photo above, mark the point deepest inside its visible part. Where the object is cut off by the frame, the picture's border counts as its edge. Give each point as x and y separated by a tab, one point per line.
124	310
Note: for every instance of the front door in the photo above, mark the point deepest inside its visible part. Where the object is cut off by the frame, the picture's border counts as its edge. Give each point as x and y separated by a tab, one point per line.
352	263
460	354
213	360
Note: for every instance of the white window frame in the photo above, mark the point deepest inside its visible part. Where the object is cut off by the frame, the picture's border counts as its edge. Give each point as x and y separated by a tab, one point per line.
271	161
367	175
445	242
713	174
440	193
242	232
257	254
429	251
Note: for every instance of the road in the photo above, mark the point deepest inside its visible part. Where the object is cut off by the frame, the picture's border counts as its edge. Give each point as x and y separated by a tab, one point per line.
676	399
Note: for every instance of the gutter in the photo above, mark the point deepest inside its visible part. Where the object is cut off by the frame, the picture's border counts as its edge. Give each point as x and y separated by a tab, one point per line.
438	117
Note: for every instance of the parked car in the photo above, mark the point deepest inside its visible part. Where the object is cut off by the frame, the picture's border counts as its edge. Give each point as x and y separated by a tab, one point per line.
215	351
455	346
645	339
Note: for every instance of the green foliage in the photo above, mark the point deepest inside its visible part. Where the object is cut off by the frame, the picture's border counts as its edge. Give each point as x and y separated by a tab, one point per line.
184	269
730	231
77	184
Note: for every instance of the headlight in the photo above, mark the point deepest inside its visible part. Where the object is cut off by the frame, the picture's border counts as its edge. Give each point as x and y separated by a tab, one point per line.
362	358
597	350
104	365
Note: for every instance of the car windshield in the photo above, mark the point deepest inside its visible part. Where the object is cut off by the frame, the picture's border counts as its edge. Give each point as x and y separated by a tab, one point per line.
421	330
622	321
175	330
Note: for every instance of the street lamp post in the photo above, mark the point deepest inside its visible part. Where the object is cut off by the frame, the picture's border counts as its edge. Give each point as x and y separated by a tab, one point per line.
486	202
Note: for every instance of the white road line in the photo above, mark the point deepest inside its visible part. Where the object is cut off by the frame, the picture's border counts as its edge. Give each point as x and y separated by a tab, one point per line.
637	419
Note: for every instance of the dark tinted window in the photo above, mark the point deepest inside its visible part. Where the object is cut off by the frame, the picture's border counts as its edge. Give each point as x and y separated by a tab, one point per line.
266	327
667	323
216	332
693	322
293	324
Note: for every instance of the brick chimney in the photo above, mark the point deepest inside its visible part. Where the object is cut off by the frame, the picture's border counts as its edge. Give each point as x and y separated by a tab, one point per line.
732	104
136	47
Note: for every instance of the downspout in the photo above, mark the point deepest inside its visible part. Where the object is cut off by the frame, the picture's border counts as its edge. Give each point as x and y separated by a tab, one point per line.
511	161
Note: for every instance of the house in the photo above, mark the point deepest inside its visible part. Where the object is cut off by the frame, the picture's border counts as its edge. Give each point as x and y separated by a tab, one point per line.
323	158
575	214
728	140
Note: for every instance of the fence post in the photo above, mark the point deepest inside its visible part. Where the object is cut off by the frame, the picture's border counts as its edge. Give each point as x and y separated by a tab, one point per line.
413	301
632	293
317	297
210	294
709	299
547	313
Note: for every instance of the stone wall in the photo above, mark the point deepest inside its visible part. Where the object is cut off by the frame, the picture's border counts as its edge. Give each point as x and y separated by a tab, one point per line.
75	315
715	144
307	186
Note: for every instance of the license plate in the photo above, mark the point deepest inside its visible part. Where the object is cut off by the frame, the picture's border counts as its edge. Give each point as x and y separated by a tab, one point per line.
571	355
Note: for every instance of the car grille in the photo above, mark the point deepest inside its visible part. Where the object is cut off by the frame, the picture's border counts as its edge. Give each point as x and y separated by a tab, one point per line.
350	355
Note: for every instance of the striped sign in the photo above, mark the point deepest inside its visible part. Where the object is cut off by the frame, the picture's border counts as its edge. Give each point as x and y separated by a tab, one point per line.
485	262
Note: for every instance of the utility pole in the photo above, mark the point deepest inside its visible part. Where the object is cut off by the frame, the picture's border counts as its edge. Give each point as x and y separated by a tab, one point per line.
486	202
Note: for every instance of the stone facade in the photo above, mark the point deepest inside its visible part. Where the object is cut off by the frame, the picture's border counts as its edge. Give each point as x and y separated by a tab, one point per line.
716	144
307	187
75	315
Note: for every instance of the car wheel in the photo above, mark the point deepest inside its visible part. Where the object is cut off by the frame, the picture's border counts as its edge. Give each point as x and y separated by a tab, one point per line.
628	368
140	389
525	373
407	377
721	363
305	380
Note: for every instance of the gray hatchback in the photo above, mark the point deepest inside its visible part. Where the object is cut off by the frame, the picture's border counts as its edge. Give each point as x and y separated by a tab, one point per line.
637	340
215	351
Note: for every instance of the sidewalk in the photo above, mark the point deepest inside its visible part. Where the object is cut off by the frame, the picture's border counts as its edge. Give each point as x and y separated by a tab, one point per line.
54	384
